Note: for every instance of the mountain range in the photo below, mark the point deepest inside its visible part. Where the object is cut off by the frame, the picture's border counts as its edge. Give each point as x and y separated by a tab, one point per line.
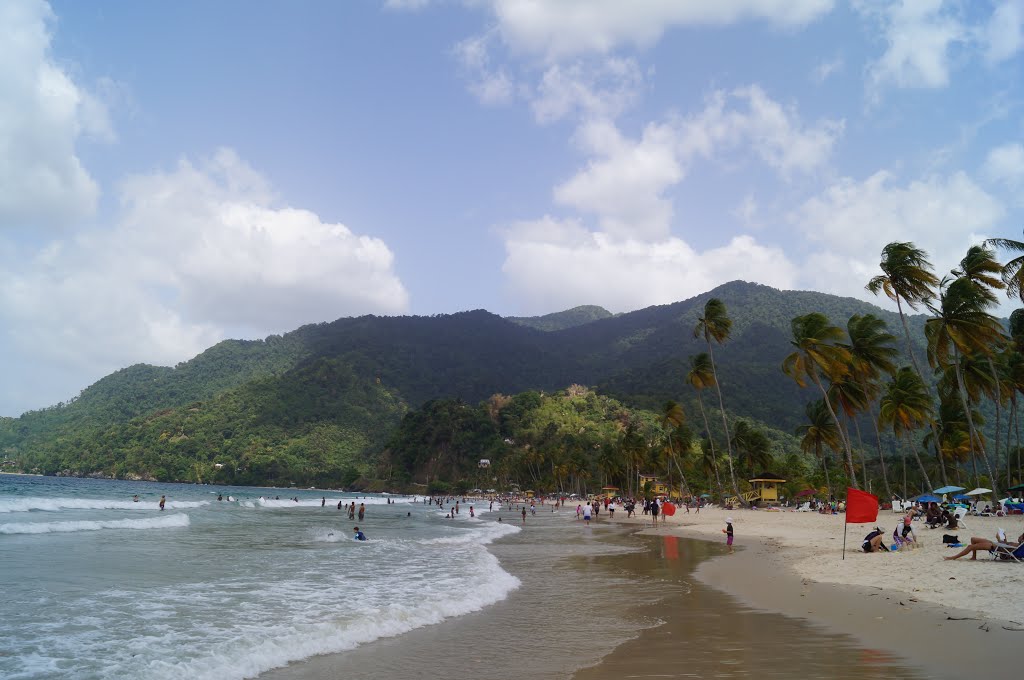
334	392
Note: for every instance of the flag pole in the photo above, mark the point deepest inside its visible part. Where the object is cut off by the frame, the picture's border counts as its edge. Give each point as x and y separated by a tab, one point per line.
844	537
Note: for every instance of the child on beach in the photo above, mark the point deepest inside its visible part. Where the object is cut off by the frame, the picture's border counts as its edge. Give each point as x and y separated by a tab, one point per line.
728	533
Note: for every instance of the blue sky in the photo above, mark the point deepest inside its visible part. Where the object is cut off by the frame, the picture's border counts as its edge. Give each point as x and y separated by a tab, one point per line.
178	173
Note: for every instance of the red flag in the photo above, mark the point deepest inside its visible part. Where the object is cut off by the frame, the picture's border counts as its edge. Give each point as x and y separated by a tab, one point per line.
861	507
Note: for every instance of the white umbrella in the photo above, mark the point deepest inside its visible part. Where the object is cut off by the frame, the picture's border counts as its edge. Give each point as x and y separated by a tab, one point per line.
977	492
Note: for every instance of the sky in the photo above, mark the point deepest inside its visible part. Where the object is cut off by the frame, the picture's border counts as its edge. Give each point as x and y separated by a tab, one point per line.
176	173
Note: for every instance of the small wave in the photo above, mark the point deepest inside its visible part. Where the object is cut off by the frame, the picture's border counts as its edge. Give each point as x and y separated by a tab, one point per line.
30	503
484	534
168	522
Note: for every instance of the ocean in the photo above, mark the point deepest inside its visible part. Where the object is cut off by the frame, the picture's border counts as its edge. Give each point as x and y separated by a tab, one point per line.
98	586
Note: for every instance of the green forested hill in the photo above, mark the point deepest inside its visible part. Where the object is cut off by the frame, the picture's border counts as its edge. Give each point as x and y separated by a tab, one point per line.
570	318
240	392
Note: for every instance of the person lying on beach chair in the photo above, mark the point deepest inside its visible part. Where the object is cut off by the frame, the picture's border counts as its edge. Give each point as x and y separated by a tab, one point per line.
985	544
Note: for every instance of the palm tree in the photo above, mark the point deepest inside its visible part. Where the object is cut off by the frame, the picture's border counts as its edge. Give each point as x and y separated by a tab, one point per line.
871	346
753	450
962	327
702	376
1013	271
906	406
817	353
715	323
848	397
906	277
673	421
818	432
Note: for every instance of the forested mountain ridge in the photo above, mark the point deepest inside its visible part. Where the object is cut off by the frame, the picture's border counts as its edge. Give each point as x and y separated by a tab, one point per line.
557	321
638	358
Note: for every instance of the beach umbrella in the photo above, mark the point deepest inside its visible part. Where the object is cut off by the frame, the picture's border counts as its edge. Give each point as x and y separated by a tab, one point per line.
927	498
668	509
977	492
960	497
1019	487
707	495
949	489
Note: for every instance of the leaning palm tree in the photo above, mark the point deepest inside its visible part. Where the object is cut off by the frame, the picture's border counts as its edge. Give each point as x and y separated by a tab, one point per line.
716	324
820	431
906	406
1013	271
871	346
848	397
818	355
906	278
701	376
962	327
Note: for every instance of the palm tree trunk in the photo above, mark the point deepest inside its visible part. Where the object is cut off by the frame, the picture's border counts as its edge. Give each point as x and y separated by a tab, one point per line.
881	456
928	385
711	442
860	453
839	426
920	464
725	422
824	465
1016	428
970	421
998	400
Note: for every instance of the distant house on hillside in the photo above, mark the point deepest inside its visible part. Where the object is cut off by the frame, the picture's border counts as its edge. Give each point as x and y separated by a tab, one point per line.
484	463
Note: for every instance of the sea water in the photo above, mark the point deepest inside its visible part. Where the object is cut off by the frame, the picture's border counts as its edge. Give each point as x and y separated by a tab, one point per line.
96	585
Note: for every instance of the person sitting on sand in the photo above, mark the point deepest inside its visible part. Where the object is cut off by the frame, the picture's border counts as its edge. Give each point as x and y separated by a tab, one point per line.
873	542
985	544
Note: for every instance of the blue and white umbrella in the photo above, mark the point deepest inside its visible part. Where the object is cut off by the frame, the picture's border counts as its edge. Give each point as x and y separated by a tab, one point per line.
949	489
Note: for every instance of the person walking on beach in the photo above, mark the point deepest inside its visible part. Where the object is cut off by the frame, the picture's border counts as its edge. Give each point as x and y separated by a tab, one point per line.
586	514
524	514
162	501
654	512
579	511
362	511
728	533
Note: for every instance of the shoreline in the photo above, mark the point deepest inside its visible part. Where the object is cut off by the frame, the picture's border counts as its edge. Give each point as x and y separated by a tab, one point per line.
911	609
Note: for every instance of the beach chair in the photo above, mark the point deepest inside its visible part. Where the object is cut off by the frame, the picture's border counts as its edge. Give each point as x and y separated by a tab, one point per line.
960	513
1008	551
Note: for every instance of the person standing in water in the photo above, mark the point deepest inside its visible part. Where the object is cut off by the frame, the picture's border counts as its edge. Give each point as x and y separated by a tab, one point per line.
352	510
163	500
362	511
728	533
524	514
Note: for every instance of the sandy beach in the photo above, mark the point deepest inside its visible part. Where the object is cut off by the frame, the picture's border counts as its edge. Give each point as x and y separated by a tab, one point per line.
950	616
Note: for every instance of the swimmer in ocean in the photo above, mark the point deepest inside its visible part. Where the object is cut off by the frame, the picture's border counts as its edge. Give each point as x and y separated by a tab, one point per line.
359	535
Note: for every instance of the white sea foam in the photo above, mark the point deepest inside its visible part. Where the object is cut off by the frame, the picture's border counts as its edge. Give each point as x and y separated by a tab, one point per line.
166	522
315	502
30	503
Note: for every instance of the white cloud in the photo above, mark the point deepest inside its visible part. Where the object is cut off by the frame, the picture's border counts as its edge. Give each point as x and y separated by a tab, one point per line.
199	253
1005	164
569	28
625	181
1004	34
851	221
491	85
919	34
601	89
625	185
553	264
827	69
42	114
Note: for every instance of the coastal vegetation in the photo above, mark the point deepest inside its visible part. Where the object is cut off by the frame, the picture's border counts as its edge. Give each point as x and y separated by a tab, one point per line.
576	401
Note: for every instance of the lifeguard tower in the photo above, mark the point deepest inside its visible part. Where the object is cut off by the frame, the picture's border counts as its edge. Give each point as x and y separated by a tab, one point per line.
766	485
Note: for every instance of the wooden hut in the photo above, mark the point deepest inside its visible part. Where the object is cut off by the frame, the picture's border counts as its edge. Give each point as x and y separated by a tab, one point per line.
766	485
